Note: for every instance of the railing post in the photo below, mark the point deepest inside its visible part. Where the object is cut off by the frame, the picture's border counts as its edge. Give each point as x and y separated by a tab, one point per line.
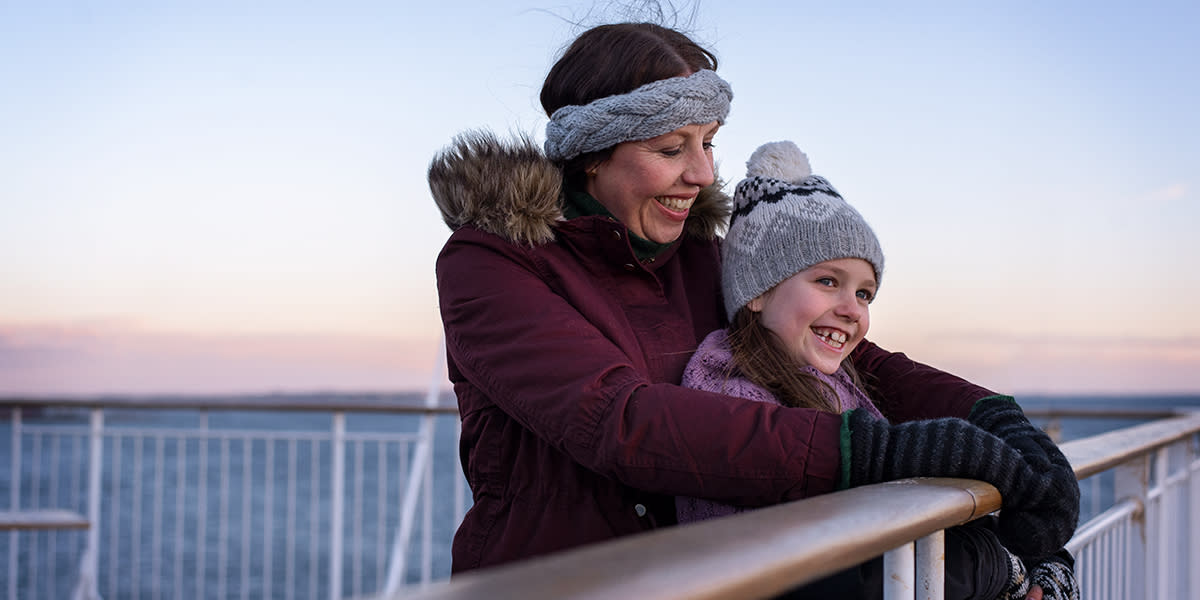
14	501
336	519
899	569
931	566
1192	468
89	566
1162	531
1131	481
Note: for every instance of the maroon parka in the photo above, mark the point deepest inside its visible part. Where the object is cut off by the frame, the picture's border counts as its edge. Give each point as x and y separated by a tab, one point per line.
566	352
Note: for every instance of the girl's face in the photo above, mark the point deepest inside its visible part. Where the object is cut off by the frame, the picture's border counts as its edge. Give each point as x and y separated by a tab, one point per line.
822	312
650	185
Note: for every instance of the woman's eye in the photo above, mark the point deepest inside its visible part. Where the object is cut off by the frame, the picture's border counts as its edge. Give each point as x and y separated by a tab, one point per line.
708	146
672	151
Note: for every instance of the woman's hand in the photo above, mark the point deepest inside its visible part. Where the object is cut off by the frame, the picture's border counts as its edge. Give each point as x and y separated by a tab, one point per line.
1035	592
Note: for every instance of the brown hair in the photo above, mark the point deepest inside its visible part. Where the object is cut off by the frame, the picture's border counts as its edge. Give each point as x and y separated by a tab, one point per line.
761	357
615	59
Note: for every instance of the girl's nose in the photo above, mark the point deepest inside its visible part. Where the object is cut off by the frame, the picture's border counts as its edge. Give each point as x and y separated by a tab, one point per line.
850	307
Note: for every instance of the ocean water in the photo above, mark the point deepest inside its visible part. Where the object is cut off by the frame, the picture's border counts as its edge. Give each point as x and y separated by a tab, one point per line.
182	558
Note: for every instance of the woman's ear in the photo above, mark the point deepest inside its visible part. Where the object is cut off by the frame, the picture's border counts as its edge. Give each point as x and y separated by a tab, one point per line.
755	304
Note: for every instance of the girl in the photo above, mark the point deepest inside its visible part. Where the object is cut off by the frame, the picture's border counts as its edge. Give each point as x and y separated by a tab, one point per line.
799	272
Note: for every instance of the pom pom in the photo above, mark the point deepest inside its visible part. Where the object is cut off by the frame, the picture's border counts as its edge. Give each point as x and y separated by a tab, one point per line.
779	160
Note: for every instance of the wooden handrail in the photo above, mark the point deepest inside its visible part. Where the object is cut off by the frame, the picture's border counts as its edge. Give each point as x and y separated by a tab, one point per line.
762	553
756	554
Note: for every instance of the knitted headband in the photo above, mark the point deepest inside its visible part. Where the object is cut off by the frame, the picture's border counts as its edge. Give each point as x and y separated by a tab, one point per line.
785	220
651	110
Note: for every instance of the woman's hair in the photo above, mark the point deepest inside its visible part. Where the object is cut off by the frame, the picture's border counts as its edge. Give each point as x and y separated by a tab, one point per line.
615	59
761	357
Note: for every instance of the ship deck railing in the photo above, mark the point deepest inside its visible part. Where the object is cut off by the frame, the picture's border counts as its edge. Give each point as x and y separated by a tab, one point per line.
218	505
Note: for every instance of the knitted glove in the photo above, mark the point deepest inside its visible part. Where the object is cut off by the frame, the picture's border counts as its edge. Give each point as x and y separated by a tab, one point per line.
1039	513
1057	579
1003	417
1018	580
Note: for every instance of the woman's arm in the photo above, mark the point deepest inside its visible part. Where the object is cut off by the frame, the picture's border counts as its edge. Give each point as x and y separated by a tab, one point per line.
906	390
514	336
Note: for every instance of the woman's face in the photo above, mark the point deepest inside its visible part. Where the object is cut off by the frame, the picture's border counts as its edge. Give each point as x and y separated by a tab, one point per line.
822	312
650	185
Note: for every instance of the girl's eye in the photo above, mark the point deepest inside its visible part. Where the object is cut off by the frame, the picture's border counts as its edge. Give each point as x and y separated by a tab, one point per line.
866	295
827	281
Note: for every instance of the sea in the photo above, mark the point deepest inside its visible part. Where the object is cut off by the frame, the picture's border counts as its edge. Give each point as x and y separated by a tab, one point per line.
46	565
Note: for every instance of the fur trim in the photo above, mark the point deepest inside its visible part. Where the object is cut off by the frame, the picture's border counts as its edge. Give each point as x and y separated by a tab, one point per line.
509	188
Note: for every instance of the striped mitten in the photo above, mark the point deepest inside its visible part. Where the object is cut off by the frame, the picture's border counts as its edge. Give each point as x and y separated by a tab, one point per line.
1057	579
1018	580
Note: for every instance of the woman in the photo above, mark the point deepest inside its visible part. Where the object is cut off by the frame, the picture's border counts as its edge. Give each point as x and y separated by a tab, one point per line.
573	291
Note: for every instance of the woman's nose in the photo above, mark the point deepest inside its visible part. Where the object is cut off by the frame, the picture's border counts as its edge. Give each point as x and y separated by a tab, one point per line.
699	170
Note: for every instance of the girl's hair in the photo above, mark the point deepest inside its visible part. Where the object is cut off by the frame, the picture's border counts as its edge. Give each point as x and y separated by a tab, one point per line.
615	59
763	359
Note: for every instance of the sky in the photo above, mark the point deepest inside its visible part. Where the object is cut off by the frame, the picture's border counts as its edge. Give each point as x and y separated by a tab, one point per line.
230	197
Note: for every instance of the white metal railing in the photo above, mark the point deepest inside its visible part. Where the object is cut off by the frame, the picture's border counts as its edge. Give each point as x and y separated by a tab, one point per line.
290	497
273	497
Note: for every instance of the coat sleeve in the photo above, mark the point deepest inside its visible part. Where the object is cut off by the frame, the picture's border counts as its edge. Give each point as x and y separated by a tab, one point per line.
534	355
906	390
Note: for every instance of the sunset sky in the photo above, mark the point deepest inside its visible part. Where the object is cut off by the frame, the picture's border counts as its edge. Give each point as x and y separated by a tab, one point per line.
225	197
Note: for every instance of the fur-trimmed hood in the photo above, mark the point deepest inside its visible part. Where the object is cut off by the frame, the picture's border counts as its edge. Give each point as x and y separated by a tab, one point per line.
511	189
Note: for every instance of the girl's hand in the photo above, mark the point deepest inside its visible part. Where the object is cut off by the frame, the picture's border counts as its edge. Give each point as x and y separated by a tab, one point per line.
1035	592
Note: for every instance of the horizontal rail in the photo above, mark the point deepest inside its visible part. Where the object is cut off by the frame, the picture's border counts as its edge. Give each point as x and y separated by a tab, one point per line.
1095	454
1104	522
761	553
47	518
755	554
288	402
1055	412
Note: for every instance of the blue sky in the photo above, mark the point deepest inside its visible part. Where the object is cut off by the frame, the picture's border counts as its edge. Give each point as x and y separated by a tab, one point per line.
214	197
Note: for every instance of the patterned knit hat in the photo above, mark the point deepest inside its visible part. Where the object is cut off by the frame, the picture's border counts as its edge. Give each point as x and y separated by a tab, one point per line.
785	220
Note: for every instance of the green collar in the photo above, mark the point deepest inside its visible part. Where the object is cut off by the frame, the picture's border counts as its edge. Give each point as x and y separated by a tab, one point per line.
582	204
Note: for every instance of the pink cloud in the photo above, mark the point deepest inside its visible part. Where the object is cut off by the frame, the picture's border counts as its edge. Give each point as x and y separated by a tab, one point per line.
119	358
1068	364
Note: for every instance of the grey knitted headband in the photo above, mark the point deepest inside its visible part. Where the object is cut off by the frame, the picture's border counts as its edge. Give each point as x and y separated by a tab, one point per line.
651	110
785	220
